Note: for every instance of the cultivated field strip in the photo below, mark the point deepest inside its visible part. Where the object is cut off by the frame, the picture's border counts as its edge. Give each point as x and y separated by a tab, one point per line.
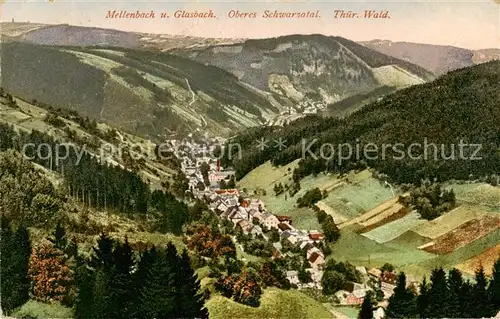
370	214
486	259
395	228
463	235
449	221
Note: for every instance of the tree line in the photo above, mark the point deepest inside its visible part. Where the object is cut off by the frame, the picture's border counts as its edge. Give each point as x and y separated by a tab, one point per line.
114	282
446	295
94	182
456	101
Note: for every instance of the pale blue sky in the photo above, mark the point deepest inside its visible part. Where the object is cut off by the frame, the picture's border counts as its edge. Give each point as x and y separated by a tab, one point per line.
471	24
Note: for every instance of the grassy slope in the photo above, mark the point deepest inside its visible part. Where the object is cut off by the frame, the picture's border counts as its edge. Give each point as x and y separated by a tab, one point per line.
361	193
275	303
43	310
142	92
30	117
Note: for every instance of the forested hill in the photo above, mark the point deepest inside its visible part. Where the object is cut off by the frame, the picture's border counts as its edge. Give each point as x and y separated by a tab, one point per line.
461	105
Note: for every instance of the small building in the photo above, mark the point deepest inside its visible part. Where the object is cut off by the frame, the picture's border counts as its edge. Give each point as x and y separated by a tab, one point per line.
316	236
256	230
379	313
276	254
245	226
306	244
356	293
314	250
283	226
375	273
388	283
316	260
285	219
270	221
293	277
291	237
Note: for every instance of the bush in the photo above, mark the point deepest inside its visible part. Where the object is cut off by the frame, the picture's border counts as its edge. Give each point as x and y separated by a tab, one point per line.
243	288
50	275
310	198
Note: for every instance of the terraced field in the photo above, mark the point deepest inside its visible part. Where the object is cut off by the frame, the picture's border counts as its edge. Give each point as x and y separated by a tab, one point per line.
463	235
372	213
355	198
477	194
449	221
486	259
361	250
395	228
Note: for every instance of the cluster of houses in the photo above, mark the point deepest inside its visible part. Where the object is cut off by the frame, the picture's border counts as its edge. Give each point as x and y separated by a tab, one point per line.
251	216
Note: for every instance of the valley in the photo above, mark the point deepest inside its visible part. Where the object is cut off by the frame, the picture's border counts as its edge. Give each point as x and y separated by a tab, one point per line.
155	175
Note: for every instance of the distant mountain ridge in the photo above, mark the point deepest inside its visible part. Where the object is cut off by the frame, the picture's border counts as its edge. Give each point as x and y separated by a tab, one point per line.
438	59
70	35
142	92
158	85
302	68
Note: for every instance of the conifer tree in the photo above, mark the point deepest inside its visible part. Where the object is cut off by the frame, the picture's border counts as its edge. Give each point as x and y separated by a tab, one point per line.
157	296
494	287
84	281
121	284
366	311
15	255
455	286
189	296
402	304
102	306
482	307
439	294
103	253
423	299
144	266
467	299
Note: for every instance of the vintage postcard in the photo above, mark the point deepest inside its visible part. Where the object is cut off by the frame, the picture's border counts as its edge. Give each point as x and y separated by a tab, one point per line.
250	159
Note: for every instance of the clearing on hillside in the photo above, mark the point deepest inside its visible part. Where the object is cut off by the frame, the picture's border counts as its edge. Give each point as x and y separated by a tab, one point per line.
449	221
337	217
372	213
362	251
274	303
393	213
355	198
477	193
395	228
486	259
463	235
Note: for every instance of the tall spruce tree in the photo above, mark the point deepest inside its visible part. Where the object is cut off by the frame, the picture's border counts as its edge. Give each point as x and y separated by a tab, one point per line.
439	295
402	304
482	306
103	303
84	280
122	285
157	295
103	253
423	299
15	255
494	287
144	266
366	311
467	299
191	300
455	286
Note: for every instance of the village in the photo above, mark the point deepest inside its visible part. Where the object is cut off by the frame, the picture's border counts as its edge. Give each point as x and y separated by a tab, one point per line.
215	184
